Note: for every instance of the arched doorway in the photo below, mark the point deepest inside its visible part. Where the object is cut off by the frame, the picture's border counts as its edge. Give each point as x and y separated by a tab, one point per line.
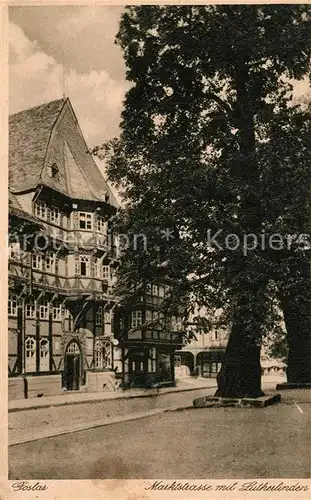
73	366
184	363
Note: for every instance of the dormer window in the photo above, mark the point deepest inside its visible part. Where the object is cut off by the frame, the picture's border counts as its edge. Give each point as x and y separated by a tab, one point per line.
54	170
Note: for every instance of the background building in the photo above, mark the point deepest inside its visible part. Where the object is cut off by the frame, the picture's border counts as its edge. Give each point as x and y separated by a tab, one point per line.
204	354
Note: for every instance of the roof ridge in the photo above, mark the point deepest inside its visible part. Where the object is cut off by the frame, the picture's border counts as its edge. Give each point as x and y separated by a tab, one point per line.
39	106
51	132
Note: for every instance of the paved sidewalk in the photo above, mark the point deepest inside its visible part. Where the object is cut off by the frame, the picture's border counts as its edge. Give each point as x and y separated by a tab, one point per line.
32	419
188	384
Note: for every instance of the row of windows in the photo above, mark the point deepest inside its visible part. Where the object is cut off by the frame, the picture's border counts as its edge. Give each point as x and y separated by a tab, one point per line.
85	267
102	354
152	316
56	308
157	290
49	213
47	262
30	354
31	307
86	220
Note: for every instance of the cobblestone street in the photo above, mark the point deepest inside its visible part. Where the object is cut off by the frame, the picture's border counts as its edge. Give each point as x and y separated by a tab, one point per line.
226	442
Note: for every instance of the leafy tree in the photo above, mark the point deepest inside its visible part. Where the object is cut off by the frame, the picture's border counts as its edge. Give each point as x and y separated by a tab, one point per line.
203	147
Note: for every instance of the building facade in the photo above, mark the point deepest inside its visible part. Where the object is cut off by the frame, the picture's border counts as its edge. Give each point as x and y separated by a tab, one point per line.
62	258
202	356
148	339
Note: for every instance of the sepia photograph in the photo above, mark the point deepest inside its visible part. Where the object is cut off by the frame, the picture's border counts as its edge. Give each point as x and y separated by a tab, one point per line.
158	247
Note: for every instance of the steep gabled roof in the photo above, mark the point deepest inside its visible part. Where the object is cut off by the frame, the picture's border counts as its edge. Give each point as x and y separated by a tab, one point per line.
39	138
29	136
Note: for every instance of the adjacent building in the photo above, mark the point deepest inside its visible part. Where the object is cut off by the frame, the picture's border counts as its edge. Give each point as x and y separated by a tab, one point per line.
148	339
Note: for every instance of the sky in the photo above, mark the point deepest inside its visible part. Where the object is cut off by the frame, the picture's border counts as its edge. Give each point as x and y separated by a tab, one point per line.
69	49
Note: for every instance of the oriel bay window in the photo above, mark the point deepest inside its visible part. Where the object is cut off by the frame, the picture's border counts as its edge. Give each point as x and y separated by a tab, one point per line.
136	319
102	225
85	220
83	265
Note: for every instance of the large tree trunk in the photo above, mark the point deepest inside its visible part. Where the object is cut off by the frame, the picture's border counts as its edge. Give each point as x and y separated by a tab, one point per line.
297	322
240	374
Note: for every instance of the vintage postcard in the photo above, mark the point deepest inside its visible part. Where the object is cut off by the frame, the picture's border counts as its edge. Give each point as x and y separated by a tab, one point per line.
155	250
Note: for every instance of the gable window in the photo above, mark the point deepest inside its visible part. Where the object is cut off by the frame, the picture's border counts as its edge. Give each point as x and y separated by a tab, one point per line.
12	305
37	261
40	209
44	310
84	265
99	316
54	215
136	318
54	170
85	220
30	309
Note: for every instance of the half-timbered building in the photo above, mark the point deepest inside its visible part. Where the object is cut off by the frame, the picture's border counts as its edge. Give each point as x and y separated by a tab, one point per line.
147	337
62	258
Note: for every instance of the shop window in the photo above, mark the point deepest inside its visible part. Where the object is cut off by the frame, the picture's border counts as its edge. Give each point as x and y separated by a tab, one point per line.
85	220
44	355
12	305
30	354
102	354
99	316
